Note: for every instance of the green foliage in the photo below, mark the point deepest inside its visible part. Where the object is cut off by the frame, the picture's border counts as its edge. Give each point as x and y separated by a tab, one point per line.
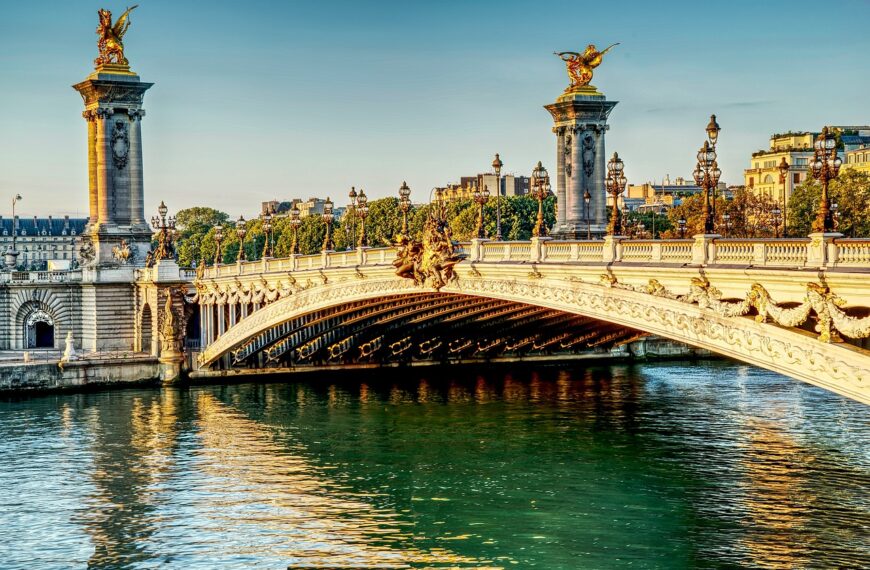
383	225
850	191
751	216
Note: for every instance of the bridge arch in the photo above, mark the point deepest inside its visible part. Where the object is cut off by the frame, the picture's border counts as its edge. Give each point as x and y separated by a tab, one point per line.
787	350
40	319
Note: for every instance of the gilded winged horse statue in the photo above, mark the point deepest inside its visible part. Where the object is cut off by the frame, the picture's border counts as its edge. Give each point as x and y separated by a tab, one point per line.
111	36
580	65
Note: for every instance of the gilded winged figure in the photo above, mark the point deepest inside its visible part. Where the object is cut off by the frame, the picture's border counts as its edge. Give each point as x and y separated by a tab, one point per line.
580	65
111	36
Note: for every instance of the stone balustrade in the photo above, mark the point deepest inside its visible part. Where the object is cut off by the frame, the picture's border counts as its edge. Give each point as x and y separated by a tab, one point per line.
24	277
821	251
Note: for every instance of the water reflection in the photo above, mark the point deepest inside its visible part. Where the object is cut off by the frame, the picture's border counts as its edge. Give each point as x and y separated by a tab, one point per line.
668	465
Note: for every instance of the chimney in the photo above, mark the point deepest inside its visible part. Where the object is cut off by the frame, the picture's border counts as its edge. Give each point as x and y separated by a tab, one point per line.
66	222
50	226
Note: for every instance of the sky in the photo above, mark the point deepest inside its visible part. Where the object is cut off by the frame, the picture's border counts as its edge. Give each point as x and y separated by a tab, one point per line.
261	100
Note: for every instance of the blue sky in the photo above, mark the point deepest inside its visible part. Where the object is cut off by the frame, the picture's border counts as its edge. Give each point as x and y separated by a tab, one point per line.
258	100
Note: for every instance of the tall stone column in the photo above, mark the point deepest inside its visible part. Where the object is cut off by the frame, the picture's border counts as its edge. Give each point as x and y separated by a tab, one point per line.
137	184
561	205
93	199
113	100
582	115
105	180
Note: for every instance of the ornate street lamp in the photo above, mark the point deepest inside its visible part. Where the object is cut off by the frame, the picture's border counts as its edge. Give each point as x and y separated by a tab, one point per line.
825	166
496	167
295	221
481	197
404	205
615	184
682	225
165	227
12	254
706	176
241	231
783	179
218	239
266	217
726	219
587	198
351	209
540	189
776	215
835	213
328	216
641	230
362	210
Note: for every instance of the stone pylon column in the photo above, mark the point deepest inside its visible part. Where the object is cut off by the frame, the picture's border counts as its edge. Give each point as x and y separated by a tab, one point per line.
113	108
580	118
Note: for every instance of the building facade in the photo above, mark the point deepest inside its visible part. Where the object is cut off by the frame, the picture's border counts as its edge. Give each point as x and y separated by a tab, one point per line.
763	176
858	159
43	243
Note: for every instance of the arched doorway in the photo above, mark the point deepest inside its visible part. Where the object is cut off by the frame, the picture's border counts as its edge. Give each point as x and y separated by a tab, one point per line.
39	330
146	330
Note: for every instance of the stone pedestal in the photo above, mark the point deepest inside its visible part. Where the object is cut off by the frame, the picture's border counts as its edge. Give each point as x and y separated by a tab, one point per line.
821	250
580	118
113	110
703	250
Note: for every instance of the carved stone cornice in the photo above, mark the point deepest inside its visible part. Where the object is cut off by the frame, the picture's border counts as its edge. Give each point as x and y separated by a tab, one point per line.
121	93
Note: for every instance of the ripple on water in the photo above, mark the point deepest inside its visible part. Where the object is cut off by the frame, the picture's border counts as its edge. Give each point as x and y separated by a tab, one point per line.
658	465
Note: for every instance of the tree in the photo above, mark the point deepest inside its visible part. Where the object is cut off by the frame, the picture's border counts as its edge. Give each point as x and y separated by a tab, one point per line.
850	191
192	225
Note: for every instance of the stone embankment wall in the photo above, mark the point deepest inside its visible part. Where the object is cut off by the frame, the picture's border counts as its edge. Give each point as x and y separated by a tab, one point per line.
76	375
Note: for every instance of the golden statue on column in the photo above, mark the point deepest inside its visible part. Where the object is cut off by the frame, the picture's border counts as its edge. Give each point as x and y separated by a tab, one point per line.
580	66
111	36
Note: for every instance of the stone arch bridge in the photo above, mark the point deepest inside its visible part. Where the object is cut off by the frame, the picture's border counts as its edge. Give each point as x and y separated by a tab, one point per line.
800	307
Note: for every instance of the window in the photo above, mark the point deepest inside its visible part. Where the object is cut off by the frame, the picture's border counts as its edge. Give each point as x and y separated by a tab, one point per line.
796	178
751	181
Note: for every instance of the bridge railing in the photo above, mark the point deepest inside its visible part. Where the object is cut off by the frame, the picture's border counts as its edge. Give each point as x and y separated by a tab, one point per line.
824	251
40	276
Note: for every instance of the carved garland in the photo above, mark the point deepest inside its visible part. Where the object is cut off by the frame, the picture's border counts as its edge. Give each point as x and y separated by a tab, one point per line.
818	299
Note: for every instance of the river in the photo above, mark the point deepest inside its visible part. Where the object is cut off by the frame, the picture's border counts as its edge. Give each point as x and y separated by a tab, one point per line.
657	465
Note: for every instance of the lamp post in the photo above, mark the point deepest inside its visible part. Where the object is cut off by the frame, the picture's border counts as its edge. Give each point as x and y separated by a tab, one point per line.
776	214
328	216
17	198
241	231
362	210
496	167
707	174
615	184
165	227
825	166
266	217
726	219
540	183
295	221
783	179
218	239
835	214
682	225
404	205
481	197
352	195
587	197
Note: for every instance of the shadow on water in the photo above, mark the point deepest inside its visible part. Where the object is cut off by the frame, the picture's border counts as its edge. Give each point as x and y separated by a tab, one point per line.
678	465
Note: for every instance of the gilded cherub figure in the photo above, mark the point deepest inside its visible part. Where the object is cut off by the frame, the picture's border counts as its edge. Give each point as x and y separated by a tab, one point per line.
580	65
111	36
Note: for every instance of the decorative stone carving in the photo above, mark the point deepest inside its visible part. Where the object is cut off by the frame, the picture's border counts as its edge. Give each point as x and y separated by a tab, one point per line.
588	153
169	329
123	253
87	253
120	144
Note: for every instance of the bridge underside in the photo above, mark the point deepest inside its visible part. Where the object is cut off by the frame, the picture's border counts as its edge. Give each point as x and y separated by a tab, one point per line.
429	326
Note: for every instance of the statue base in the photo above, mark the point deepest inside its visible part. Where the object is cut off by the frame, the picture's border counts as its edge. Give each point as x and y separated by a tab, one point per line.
580	91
